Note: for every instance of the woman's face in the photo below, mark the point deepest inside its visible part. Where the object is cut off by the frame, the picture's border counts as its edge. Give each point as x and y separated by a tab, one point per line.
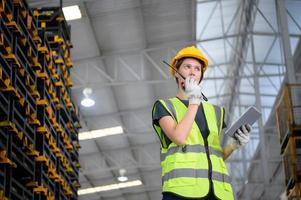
189	67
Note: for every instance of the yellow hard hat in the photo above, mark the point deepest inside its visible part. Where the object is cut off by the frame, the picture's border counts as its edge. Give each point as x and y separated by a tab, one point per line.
191	52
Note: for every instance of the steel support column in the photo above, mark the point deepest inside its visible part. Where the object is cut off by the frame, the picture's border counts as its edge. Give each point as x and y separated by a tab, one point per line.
285	38
262	142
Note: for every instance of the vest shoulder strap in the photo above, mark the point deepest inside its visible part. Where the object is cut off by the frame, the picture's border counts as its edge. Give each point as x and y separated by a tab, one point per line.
220	114
171	108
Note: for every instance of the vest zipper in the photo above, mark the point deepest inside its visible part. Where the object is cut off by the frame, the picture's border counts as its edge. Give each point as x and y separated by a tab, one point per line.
209	164
184	149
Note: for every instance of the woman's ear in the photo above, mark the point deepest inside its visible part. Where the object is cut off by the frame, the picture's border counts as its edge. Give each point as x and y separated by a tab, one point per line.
202	76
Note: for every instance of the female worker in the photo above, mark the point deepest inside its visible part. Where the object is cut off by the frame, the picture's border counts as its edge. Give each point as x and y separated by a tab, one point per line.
189	129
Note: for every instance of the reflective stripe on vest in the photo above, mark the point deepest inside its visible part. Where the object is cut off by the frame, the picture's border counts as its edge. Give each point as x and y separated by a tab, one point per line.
195	173
197	148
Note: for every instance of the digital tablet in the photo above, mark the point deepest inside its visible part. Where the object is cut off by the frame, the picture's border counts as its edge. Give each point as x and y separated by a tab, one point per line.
249	117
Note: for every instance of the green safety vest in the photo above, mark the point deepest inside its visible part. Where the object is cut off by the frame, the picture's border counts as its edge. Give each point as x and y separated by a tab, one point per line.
185	169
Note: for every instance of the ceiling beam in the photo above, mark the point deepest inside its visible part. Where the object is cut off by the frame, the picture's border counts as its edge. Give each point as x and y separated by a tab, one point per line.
56	3
139	147
97	85
120	112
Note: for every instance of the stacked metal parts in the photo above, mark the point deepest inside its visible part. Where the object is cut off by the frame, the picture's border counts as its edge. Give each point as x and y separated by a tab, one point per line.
289	128
38	121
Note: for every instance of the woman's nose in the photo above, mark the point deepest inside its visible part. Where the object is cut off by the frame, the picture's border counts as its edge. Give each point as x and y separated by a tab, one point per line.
191	72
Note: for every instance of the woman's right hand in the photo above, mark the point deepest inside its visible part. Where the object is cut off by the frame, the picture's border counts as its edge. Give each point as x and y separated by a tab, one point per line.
193	91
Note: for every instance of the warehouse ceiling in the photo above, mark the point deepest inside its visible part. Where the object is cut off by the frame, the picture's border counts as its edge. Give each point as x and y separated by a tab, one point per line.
119	46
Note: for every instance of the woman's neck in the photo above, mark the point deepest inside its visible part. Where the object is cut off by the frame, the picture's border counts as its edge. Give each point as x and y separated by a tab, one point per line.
181	95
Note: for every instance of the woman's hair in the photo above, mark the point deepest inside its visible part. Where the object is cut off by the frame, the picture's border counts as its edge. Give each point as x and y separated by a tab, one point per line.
179	63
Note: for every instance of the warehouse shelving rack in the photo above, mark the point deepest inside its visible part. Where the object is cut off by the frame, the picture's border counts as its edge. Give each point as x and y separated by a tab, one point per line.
38	120
288	115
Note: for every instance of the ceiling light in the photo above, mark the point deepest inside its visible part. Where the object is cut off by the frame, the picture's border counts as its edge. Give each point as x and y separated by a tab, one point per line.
72	12
122	177
100	133
87	101
109	187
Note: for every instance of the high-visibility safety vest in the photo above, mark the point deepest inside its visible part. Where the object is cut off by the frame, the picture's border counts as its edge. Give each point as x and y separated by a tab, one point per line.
187	170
